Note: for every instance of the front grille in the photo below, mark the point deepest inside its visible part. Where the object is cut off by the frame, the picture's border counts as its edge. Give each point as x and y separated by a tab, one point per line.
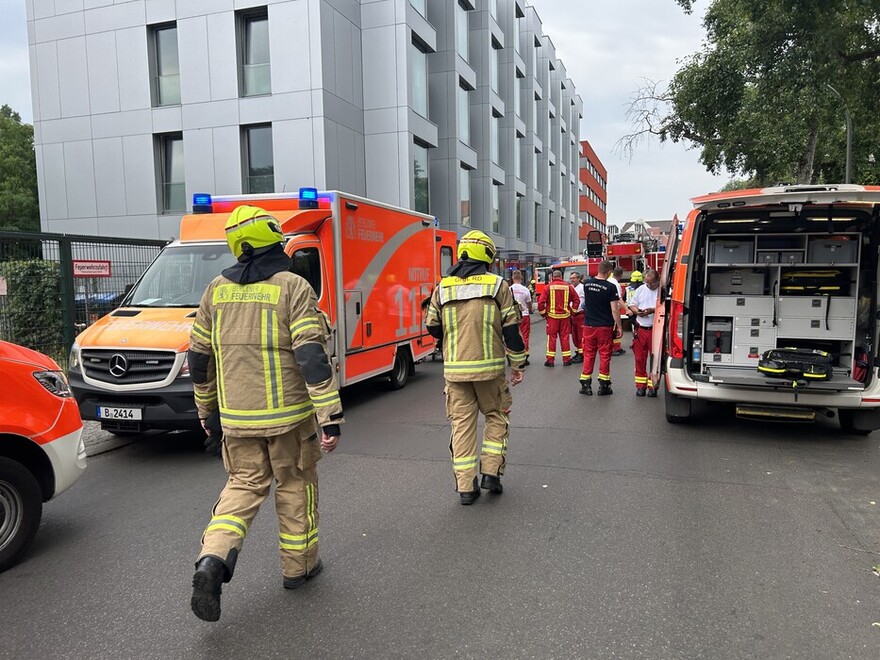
127	367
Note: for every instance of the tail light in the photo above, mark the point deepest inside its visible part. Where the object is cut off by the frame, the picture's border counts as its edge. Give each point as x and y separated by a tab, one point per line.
675	325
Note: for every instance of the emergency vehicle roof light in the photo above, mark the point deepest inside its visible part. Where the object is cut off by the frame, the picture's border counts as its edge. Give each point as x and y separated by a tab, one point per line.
202	203
308	198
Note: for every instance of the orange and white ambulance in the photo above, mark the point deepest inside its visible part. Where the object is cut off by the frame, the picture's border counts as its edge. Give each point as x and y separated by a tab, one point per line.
762	286
371	265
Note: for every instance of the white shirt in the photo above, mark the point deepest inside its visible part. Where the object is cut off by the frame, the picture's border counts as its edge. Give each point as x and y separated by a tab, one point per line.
645	298
579	287
615	283
522	295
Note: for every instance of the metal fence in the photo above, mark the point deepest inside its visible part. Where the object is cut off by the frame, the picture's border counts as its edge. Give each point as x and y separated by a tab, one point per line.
52	286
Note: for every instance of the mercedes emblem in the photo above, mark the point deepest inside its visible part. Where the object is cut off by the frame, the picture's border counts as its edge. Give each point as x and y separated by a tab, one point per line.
118	365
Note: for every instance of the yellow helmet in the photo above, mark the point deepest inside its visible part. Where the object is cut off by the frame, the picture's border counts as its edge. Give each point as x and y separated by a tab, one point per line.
636	276
250	228
476	245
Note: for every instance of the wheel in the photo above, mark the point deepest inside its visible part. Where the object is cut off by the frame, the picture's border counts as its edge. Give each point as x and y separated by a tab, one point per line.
847	423
21	507
399	373
678	410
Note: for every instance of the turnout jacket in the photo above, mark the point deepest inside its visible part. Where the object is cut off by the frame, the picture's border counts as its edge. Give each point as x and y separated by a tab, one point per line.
559	300
477	320
258	354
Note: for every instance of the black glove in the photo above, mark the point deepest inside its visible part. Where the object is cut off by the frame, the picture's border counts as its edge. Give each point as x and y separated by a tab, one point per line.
213	442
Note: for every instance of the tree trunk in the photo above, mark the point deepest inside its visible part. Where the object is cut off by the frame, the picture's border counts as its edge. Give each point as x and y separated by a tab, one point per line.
805	163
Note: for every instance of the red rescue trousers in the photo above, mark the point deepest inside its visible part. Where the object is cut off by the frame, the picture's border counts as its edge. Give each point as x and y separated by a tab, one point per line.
562	329
525	328
577	332
641	350
597	340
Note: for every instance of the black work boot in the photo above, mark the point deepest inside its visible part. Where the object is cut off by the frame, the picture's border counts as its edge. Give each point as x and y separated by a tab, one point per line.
640	391
469	497
492	484
652	392
297	582
586	387
207	580
604	388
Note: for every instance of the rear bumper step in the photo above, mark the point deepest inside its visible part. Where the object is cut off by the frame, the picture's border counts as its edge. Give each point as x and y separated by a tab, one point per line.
777	413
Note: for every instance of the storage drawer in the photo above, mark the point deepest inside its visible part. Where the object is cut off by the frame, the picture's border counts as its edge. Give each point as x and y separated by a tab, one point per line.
736	282
738	306
807	328
814	307
748	354
753	321
738	251
745	335
832	251
717	358
773	257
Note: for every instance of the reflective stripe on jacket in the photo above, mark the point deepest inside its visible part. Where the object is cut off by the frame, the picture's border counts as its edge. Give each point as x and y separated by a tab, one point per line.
268	344
473	312
559	299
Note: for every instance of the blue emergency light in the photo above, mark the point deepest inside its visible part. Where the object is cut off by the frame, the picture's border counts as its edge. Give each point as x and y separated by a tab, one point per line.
308	198
202	203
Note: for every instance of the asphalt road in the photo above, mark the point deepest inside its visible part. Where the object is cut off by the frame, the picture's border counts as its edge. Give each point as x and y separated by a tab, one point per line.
617	535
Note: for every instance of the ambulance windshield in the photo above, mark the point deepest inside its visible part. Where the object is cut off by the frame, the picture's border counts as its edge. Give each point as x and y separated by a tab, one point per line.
179	275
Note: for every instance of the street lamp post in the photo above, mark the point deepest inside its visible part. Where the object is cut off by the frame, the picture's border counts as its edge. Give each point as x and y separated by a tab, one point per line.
848	133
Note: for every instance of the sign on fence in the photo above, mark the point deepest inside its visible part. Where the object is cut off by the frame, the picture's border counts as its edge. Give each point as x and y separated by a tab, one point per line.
93	268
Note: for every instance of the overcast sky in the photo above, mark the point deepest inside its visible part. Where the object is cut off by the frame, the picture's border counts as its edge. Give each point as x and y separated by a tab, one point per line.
607	47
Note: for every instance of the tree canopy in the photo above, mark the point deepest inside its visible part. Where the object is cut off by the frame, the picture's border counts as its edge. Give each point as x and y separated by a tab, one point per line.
760	99
19	201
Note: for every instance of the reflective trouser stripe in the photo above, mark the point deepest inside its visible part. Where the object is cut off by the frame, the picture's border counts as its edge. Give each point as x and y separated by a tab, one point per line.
230	523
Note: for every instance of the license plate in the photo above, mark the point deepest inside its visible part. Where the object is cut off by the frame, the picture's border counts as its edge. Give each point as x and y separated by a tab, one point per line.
109	412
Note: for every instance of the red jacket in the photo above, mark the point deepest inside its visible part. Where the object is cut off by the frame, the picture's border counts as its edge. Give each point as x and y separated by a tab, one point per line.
558	300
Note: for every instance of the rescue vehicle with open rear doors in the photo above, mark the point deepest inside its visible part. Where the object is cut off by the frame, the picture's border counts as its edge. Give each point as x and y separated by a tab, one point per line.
769	302
371	265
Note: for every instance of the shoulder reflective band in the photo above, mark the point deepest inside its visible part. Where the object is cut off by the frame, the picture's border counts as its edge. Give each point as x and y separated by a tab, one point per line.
247	293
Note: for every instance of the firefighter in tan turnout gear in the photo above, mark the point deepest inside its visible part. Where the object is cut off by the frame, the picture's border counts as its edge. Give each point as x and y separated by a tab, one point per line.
257	357
475	316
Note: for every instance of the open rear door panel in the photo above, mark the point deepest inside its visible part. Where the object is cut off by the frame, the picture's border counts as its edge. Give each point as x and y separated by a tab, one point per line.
658	337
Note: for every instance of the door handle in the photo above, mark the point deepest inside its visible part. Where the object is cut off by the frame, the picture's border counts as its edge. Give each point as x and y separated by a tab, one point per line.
369	328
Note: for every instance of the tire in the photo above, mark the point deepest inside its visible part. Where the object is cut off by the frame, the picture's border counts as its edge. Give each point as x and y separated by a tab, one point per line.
399	374
847	425
675	404
21	507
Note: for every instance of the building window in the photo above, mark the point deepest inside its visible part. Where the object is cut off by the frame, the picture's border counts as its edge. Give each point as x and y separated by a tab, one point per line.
519	200
419	6
494	66
517	33
495	139
496	208
518	159
258	159
254	53
517	94
462	35
166	65
535	170
550	230
421	195
464	195
537	216
419	79
535	118
464	115
171	171
493	9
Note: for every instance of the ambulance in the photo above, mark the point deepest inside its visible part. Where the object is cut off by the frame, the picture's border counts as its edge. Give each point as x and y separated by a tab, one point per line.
586	266
370	264
769	302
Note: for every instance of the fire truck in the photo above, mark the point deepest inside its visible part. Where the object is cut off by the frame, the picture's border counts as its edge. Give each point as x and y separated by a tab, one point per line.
370	264
586	266
627	251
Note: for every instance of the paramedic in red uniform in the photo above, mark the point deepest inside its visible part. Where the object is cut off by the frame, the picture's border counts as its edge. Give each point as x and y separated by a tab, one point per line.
642	305
557	303
601	321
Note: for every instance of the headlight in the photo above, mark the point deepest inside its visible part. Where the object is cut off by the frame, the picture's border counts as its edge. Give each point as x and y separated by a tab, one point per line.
73	360
184	369
54	381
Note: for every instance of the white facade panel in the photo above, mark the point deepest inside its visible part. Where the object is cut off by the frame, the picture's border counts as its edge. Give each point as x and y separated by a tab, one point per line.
140	175
42	8
60	130
384	167
380	78
92	4
227	160
192	48
122	124
292	139
48	93
134	68
160	11
222	62
187	8
167	119
103	72
110	173
198	149
206	115
56	28
292	105
114	17
291	47
139	226
79	172
377	14
54	197
73	79
68	6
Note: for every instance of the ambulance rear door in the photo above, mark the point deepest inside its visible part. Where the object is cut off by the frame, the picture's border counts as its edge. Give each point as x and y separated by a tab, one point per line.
658	337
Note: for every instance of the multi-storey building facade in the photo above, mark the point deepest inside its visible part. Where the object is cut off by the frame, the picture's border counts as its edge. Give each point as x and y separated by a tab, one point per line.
458	108
594	180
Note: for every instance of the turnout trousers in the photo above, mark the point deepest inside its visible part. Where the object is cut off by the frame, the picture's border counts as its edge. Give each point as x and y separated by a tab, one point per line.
597	339
463	401
252	464
641	350
558	328
525	329
577	332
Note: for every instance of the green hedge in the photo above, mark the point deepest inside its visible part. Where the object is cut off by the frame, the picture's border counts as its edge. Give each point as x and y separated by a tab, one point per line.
31	315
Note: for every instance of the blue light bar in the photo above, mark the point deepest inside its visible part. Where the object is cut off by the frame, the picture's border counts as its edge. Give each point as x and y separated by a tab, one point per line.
308	198
202	203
